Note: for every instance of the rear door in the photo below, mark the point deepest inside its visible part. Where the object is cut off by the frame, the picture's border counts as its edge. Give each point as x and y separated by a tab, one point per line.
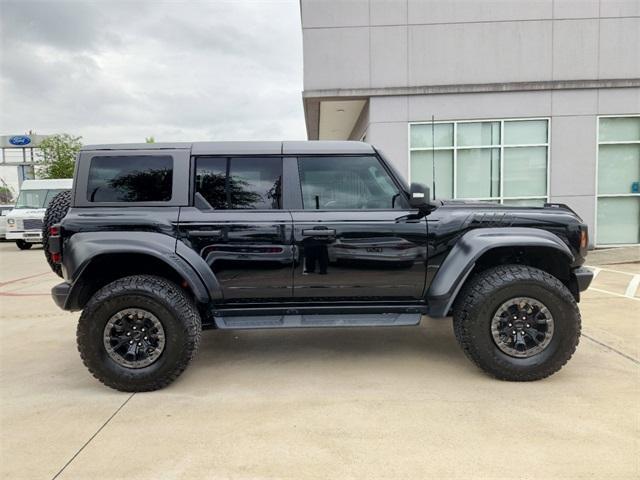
354	235
237	225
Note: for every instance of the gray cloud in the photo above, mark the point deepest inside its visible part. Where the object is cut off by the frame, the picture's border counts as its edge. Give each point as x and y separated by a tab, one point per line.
120	71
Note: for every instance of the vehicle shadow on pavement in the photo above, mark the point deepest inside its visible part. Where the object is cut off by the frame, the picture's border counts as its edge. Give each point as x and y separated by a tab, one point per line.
432	341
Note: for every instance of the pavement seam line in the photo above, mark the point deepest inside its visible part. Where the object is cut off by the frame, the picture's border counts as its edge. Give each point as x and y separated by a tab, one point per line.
628	357
614	294
632	287
92	437
16	280
597	270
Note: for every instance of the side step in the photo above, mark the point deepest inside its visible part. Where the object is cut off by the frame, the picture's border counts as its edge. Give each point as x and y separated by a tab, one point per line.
312	321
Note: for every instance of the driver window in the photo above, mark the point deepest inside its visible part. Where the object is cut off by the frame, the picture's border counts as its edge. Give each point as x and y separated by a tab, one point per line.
347	183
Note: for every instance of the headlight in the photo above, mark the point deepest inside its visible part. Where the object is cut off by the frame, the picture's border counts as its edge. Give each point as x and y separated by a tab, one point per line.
11	222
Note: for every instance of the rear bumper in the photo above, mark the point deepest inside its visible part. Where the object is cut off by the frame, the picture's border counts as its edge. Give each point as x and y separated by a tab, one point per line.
584	276
60	294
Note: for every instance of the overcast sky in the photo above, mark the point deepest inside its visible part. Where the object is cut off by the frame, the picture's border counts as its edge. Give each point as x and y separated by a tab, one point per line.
119	71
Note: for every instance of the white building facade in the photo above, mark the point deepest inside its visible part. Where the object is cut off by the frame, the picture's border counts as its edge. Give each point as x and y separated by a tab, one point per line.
517	102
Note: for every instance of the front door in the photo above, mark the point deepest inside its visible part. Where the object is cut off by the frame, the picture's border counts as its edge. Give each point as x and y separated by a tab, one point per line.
239	228
354	236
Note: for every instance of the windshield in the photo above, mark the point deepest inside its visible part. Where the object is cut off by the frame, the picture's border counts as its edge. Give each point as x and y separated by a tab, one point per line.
50	195
36	198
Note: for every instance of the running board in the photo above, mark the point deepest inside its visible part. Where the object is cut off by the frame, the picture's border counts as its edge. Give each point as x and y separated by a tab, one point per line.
315	320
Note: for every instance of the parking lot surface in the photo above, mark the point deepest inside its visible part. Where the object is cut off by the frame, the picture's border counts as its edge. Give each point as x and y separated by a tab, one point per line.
318	403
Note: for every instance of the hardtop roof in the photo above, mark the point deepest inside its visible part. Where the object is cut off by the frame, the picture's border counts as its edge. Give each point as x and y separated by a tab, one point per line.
47	184
320	147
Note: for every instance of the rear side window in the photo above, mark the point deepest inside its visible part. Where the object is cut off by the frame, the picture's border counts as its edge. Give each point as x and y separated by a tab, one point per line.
130	178
240	183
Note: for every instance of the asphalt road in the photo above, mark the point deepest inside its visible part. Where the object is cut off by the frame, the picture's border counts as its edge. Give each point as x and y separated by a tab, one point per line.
352	403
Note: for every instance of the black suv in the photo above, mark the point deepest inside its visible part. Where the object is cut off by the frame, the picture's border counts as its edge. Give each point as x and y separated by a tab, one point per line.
158	241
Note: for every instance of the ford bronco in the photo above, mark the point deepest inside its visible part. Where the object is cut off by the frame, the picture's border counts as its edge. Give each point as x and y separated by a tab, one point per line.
157	241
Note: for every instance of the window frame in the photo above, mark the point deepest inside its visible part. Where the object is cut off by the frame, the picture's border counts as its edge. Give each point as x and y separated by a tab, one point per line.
286	186
179	186
597	195
454	148
377	156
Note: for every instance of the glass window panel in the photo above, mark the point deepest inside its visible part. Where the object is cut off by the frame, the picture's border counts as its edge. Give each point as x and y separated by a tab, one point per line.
478	134
134	178
422	171
50	195
525	132
526	202
621	129
347	183
255	183
421	135
618	168
525	172
478	173
31	198
618	220
211	178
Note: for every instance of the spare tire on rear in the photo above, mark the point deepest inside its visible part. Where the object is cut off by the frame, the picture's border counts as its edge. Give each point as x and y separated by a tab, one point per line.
56	211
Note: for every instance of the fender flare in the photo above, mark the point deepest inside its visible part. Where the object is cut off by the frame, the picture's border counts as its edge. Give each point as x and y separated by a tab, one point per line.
460	261
83	247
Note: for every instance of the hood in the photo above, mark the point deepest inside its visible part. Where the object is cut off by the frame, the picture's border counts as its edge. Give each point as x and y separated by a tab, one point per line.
26	213
508	208
455	217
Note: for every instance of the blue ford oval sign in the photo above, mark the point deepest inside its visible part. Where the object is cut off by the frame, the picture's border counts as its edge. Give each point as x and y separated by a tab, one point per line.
19	140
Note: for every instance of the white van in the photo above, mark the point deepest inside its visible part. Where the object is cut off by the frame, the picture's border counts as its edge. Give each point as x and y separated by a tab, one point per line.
24	222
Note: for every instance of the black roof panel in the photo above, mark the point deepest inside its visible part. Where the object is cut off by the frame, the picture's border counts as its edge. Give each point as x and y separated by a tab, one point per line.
318	147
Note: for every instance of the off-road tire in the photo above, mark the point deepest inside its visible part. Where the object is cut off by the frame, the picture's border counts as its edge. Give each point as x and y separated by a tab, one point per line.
169	303
56	211
480	298
22	245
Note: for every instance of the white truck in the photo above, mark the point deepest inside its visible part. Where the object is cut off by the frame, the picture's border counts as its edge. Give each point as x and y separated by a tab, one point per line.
4	210
24	222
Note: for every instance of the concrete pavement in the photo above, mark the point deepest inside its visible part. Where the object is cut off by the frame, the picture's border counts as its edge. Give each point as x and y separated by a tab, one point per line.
353	403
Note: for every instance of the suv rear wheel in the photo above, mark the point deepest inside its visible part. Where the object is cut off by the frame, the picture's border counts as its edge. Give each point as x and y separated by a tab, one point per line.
517	323
138	333
56	211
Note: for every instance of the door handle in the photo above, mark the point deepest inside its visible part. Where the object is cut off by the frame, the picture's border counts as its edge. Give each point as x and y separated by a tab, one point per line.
324	233
205	233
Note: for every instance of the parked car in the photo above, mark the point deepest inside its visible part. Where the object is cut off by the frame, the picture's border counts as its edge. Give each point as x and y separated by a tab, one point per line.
24	222
157	242
4	210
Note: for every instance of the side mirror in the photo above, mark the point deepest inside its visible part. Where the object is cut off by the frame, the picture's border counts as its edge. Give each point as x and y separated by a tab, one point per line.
420	198
419	195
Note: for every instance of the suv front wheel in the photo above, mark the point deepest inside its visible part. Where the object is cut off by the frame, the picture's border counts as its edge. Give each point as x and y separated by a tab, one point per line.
517	323
138	333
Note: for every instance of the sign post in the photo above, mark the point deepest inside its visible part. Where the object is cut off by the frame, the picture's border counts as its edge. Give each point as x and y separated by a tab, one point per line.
23	152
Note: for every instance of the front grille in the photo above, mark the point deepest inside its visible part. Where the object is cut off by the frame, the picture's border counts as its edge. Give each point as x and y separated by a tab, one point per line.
32	224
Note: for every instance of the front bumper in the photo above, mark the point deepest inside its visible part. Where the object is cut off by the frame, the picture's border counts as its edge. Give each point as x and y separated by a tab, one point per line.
584	276
33	236
60	294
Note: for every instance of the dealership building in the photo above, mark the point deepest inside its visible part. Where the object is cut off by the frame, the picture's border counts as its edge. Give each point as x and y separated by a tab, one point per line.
517	102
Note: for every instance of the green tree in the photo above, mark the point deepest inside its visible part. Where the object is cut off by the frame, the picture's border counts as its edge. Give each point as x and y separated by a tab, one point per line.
6	195
150	139
59	155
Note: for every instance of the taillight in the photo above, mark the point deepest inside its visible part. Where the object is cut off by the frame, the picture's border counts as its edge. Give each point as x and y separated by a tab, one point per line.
55	243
